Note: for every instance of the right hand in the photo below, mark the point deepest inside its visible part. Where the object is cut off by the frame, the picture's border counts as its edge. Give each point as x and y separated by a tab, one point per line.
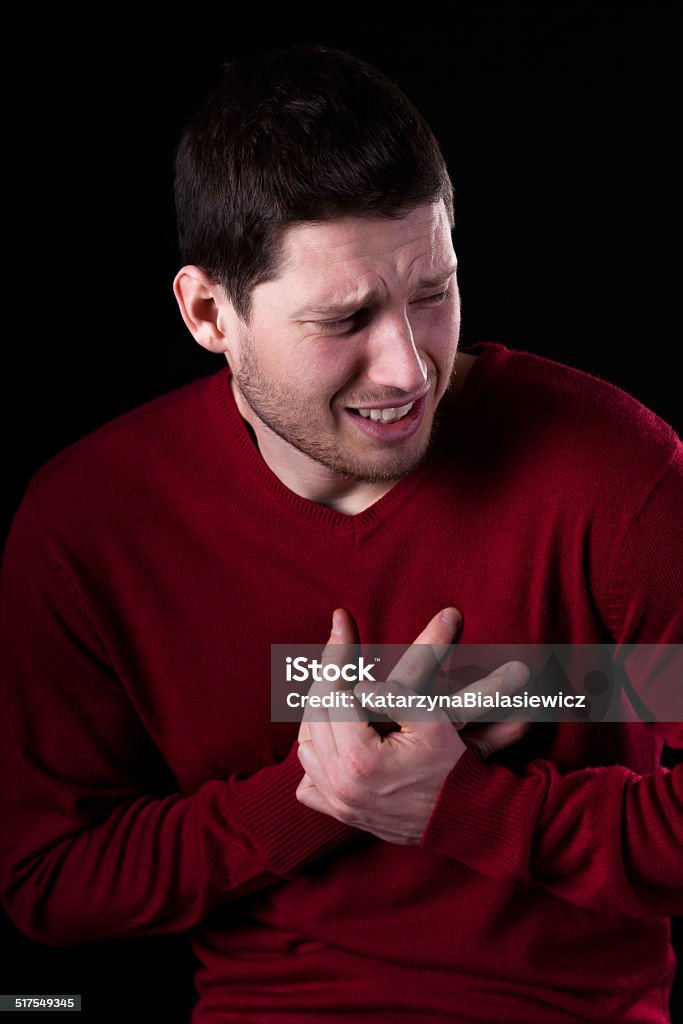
414	670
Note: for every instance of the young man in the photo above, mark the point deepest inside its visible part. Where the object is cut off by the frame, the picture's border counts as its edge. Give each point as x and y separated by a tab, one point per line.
350	466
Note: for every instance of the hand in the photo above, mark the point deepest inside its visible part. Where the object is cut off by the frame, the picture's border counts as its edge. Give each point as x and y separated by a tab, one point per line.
389	785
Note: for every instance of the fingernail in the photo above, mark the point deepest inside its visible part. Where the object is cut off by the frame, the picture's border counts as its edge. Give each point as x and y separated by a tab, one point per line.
335	623
517	674
451	616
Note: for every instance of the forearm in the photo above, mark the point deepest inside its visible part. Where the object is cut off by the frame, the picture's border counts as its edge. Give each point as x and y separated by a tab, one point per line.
159	865
92	844
601	838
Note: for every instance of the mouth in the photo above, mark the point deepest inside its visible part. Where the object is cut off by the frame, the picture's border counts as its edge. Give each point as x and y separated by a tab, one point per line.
388	423
385	415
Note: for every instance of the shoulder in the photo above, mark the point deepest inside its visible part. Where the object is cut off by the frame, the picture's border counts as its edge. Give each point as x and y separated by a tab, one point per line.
563	424
566	394
117	465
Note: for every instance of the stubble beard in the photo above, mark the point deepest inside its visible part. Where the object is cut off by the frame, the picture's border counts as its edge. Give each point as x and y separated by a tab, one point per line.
293	423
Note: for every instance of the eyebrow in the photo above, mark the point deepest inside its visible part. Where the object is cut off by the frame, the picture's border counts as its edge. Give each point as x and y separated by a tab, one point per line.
341	309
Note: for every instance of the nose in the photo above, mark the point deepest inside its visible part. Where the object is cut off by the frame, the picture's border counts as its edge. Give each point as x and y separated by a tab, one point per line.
393	359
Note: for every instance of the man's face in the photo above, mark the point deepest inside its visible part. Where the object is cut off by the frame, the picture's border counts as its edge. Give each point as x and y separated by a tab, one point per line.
362	322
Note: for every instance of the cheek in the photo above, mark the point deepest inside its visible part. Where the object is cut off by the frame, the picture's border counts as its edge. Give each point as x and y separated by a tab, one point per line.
437	335
330	365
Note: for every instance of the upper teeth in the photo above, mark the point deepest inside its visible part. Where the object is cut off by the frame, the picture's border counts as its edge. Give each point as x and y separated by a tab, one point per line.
386	415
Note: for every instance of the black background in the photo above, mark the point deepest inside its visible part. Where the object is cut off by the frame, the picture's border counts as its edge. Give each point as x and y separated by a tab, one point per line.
559	126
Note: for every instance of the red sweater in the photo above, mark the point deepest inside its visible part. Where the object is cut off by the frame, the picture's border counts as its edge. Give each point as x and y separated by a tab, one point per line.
148	570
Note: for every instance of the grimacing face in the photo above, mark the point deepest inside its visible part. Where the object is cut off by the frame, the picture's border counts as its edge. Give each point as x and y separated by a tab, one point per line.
350	349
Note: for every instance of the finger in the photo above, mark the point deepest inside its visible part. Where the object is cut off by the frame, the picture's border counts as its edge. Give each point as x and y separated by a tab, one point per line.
424	656
506	679
304	732
340	648
342	642
344	628
486	740
306	782
308	794
343	647
312	766
322	737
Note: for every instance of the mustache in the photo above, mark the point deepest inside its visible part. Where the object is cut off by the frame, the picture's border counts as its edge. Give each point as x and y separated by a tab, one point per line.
390	395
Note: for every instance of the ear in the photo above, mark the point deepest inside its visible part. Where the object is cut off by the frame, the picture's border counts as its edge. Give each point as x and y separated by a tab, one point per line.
205	308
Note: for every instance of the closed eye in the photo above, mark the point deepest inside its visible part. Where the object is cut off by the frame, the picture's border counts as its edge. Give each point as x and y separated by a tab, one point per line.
355	319
339	323
436	299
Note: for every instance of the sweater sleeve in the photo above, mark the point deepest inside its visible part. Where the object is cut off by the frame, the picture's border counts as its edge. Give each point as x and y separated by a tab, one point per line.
88	849
602	838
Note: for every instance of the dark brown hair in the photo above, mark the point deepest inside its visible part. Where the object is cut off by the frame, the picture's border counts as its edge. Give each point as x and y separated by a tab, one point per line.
306	133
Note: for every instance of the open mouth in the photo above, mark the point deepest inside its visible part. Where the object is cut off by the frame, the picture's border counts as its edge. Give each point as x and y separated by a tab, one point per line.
394	423
384	415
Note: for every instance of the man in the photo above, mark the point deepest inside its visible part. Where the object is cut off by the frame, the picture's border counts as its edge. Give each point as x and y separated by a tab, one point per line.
350	470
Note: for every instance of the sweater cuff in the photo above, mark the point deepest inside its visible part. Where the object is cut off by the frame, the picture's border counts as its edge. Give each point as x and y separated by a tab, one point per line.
290	833
485	817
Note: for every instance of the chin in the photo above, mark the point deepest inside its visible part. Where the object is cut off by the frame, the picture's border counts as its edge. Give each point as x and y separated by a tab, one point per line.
388	469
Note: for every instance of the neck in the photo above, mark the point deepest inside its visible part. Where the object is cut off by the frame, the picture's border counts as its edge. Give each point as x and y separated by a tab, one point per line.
312	480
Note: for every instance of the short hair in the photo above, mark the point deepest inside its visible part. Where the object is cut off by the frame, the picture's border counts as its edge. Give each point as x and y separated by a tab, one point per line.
301	134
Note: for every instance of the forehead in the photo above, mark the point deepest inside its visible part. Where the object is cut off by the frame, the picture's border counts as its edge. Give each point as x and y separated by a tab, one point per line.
341	253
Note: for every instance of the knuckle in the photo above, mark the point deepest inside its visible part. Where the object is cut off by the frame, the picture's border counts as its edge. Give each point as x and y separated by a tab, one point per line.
337	653
358	764
391	688
377	690
314	690
345	790
518	730
303	752
301	796
412	668
341	811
